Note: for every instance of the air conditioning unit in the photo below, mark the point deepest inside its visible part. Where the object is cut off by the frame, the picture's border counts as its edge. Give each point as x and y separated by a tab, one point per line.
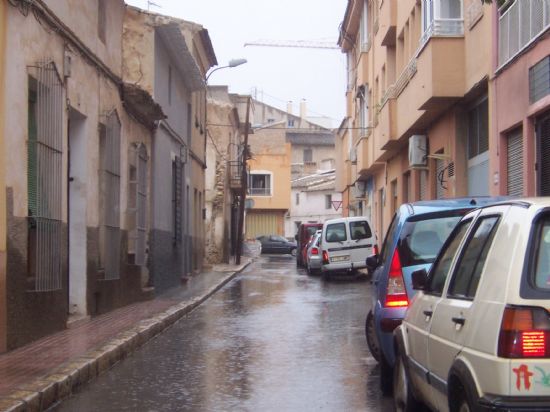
359	189
418	150
353	155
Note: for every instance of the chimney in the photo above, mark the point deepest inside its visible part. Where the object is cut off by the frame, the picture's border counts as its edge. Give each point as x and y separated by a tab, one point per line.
289	107
303	109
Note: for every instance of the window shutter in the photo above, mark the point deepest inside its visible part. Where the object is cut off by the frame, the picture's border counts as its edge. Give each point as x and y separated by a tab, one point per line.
544	157
515	164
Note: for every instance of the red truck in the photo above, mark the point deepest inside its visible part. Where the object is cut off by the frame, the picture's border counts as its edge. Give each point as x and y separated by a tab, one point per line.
305	231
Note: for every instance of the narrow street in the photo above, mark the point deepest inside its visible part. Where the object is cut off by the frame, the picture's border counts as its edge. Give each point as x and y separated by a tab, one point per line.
272	339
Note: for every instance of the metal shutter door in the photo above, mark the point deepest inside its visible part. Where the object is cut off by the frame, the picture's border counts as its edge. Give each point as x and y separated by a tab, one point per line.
515	163
258	224
544	157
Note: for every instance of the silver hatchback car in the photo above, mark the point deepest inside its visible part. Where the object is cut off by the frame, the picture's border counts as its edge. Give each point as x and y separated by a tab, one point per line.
313	254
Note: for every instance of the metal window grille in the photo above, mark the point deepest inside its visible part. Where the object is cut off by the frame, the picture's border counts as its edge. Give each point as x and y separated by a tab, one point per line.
110	195
539	80
259	185
137	203
177	198
44	168
519	25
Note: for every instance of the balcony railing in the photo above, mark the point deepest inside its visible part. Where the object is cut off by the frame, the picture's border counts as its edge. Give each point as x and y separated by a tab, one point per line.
235	172
443	28
259	191
520	25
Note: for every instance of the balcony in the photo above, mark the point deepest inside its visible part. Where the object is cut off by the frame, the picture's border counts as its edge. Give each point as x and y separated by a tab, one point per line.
388	22
235	172
387	123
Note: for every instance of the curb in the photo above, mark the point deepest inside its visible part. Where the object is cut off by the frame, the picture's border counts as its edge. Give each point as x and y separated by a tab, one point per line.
43	393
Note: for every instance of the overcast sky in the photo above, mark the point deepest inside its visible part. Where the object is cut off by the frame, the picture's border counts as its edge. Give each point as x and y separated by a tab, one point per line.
275	74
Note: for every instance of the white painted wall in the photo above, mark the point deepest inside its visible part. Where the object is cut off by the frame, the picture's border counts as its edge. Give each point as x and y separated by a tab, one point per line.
310	209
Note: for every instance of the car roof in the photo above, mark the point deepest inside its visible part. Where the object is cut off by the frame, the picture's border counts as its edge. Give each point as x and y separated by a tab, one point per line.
431	206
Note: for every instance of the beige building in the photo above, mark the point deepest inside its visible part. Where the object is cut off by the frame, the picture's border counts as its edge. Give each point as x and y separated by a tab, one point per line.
417	122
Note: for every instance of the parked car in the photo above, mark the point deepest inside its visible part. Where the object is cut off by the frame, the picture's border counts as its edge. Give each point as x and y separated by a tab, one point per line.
413	239
313	259
305	232
477	334
276	244
345	245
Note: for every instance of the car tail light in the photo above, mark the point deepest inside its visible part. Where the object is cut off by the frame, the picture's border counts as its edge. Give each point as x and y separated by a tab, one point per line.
396	294
314	251
325	257
524	333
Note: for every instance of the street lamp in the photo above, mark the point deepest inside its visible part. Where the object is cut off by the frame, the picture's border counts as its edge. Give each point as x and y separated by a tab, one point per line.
232	63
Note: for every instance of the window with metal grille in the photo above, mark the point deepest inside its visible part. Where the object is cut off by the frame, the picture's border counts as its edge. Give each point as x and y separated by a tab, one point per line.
137	203
514	156
539	80
478	129
44	177
109	177
259	184
177	199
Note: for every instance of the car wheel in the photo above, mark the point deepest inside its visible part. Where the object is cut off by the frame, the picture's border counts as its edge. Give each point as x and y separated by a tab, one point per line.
386	376
463	401
404	400
293	252
372	340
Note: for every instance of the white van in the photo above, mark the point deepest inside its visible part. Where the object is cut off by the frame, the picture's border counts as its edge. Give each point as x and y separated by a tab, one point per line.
345	245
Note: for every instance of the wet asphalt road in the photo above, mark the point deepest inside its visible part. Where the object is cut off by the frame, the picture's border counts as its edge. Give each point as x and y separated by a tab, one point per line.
274	339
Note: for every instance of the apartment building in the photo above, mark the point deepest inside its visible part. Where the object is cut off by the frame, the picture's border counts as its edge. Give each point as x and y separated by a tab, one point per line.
283	146
521	99
417	124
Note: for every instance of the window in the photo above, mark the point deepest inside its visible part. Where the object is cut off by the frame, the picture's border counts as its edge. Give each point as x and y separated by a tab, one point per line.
393	196
259	184
336	232
468	270
364	28
44	177
421	240
542	257
539	80
290	123
102	20
137	203
478	129
441	267
328	201
308	155
109	177
389	239
364	109
360	230
442	18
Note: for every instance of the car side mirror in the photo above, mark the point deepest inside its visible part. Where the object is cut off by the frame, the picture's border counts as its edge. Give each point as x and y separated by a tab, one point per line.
419	279
373	262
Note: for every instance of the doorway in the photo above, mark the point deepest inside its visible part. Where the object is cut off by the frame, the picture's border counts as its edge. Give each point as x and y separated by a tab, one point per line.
77	216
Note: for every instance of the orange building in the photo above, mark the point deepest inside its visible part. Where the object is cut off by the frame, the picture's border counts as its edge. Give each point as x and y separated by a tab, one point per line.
417	124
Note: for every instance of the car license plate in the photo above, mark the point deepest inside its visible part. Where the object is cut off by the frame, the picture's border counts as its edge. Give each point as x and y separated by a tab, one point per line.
340	258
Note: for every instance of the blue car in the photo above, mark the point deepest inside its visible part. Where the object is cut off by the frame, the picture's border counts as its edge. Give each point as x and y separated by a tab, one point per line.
412	242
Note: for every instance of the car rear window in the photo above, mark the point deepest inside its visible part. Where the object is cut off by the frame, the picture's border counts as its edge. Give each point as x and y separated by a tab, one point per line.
359	230
421	240
336	232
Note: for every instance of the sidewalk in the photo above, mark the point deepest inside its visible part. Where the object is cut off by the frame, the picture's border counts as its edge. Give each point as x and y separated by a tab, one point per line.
34	377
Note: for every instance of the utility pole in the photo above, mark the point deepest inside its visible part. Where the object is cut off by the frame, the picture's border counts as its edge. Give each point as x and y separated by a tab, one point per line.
244	184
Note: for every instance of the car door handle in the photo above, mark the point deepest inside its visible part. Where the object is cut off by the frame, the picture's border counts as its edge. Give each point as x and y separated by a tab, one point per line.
459	320
428	313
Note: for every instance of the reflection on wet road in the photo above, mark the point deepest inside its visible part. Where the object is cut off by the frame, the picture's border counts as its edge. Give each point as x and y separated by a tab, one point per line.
272	339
